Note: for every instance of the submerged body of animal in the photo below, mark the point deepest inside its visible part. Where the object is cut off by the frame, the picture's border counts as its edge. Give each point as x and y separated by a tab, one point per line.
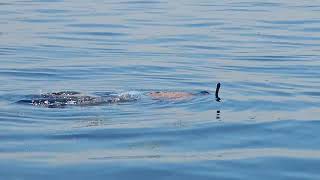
181	95
64	98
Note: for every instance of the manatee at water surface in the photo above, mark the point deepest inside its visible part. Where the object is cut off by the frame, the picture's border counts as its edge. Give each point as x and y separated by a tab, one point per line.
63	98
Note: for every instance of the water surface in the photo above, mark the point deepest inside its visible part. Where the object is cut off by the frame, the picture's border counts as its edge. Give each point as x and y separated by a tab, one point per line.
265	54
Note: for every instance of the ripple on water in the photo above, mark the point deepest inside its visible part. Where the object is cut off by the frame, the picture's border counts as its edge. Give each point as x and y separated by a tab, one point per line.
265	54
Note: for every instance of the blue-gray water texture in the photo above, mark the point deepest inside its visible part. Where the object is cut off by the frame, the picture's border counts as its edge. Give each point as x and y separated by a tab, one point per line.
266	54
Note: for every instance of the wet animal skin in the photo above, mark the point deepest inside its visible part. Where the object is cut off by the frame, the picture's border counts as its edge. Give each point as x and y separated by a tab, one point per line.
182	95
63	98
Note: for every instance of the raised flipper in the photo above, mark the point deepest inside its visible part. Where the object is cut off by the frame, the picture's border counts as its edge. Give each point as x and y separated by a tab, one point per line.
217	92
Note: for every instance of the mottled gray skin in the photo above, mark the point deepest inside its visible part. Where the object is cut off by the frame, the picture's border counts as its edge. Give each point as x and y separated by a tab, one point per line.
63	98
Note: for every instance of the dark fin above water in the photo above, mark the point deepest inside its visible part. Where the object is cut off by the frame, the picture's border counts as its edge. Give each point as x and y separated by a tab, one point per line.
217	92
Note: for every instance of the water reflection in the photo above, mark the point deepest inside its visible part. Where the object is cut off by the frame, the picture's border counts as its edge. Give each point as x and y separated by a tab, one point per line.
218	115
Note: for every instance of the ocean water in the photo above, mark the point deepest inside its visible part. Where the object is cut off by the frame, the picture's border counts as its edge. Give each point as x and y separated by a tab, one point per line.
265	54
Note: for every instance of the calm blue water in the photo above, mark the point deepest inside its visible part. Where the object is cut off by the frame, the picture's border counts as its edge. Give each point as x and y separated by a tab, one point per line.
265	54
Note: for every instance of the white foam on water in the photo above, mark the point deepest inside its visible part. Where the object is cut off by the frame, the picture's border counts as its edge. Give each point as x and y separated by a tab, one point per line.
130	95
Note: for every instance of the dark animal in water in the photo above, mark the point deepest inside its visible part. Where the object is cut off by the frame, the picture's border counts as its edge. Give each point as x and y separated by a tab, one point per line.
64	98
